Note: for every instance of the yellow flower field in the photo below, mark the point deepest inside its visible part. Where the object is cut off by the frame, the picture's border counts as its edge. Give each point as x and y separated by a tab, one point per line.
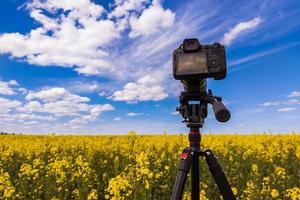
144	167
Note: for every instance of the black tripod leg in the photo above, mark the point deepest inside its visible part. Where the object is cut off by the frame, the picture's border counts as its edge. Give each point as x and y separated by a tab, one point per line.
195	178
184	167
219	176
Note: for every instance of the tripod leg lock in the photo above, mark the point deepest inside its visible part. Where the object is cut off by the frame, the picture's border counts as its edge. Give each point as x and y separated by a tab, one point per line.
186	160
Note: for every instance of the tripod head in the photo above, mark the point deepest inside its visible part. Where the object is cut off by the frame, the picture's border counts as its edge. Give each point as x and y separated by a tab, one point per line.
194	102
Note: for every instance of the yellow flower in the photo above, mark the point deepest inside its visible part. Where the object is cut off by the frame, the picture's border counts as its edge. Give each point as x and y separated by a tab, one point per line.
254	168
92	195
234	190
274	193
280	172
293	193
6	188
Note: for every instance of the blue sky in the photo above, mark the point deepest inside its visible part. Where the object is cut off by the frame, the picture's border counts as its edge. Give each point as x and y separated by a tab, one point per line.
105	66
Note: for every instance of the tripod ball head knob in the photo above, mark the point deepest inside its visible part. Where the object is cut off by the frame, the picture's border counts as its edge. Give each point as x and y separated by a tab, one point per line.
222	114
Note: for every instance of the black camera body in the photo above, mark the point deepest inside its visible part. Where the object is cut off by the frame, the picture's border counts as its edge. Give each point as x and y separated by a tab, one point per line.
193	61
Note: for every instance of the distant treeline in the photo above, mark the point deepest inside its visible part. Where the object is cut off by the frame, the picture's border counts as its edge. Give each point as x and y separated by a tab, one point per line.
4	133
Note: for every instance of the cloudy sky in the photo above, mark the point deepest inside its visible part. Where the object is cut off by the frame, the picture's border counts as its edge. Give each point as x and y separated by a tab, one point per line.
105	66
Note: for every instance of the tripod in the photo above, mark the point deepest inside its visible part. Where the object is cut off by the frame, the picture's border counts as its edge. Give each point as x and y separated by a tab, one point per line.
194	115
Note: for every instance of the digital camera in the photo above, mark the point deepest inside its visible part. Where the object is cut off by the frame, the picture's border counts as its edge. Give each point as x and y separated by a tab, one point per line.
193	61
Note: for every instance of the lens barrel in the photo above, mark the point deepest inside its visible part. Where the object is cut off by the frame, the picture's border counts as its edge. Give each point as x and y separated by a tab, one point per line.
194	86
222	114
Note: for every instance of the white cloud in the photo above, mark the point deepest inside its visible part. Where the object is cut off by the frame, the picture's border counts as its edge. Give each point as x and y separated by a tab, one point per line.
94	113
146	88
286	109
7	105
124	7
102	94
32	106
57	108
294	94
60	102
134	92
239	29
175	113
13	82
151	21
31	122
79	121
55	94
97	109
83	86
117	118
26	116
271	103
133	114
6	88
293	101
83	7
22	90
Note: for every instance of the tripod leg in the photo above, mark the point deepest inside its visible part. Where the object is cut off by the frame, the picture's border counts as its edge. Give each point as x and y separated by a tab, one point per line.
184	167
195	178
219	176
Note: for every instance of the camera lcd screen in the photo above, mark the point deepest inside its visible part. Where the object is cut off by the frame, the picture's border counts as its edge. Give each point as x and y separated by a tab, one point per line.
191	63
